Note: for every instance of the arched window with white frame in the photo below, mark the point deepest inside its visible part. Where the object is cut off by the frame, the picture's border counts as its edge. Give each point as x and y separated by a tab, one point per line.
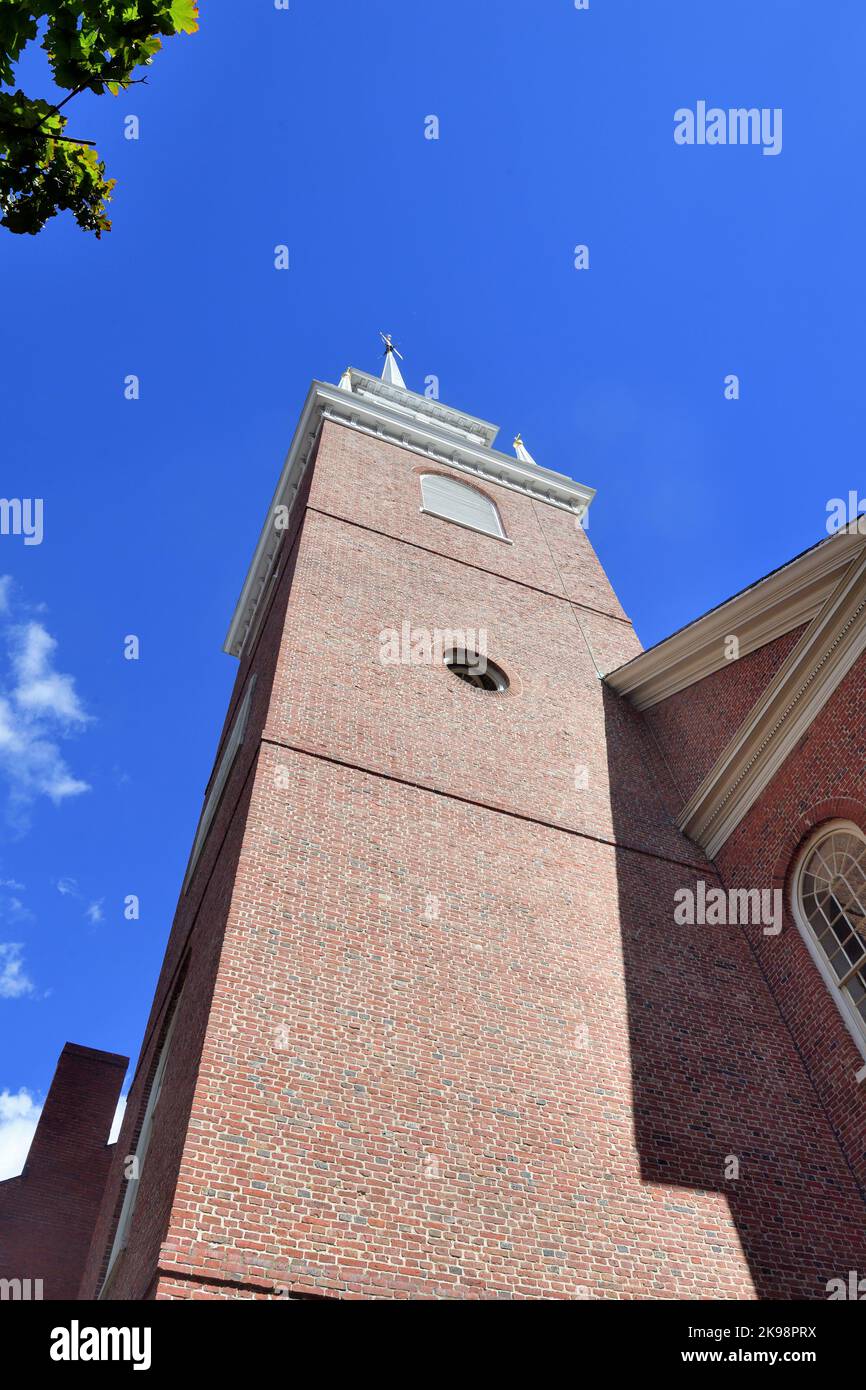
829	903
455	501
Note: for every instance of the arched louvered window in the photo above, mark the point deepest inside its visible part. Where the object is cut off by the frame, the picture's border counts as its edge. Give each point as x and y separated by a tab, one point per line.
829	900
455	501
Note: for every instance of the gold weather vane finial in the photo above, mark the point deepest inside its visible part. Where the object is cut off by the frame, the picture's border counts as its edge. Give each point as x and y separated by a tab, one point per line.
391	372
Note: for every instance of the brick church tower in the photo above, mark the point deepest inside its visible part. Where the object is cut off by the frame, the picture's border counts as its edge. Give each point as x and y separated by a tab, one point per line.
430	1021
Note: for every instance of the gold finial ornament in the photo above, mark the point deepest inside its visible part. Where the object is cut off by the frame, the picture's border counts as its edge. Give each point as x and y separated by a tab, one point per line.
521	450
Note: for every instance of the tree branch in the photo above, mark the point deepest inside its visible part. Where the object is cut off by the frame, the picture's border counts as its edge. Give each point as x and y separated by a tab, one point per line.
74	93
45	134
129	82
69	139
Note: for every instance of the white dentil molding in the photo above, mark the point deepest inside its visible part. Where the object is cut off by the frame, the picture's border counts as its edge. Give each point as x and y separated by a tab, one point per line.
797	693
412	422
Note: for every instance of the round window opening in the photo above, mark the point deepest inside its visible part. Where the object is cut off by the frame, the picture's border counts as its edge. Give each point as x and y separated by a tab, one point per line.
475	670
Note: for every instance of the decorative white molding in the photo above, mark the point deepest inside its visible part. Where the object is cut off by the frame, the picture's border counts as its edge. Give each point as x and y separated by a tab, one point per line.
217	786
452	521
801	687
423	408
783	600
421	426
850	1017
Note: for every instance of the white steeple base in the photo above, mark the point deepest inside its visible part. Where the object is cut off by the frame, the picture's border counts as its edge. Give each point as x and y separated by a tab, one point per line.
391	371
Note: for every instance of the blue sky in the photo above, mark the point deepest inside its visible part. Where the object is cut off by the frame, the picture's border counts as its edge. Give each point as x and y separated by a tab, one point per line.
306	127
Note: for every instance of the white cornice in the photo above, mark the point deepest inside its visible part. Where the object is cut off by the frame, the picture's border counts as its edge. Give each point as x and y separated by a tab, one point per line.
408	404
784	600
801	687
423	427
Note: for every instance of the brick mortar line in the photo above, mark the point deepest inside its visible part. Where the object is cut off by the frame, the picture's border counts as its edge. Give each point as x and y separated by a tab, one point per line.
572	605
650	771
495	574
401	781
645	724
486	806
796	1046
655	742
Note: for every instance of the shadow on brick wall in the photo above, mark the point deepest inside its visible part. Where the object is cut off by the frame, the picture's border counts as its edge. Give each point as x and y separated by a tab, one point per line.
718	1087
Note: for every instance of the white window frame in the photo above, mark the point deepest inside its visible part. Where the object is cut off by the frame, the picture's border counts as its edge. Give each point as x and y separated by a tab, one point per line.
497	535
130	1196
230	752
850	1017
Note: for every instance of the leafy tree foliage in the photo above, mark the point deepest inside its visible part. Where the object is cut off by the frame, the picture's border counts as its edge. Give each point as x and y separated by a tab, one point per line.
92	45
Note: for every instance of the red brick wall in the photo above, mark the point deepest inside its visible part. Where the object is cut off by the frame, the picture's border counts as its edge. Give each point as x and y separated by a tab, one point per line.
824	778
522	752
377	485
439	1035
193	951
47	1214
429	1123
694	727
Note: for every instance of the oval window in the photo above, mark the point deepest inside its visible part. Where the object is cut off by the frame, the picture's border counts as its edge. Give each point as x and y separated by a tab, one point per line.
478	671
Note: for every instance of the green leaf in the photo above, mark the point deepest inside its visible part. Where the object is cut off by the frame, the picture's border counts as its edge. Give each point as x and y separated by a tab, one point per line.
42	174
92	45
184	14
18	25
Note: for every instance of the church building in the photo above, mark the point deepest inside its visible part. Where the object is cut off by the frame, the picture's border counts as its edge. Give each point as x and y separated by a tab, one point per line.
511	961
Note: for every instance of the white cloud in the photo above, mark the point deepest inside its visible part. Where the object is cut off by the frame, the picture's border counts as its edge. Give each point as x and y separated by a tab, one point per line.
67	887
13	981
39	688
18	1117
12	909
5	589
11	883
94	911
38	708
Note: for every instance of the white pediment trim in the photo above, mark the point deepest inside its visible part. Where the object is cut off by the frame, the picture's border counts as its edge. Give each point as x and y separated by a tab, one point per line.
422	427
784	600
825	653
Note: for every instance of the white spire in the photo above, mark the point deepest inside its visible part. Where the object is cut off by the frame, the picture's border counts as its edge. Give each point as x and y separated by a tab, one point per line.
391	372
521	450
346	380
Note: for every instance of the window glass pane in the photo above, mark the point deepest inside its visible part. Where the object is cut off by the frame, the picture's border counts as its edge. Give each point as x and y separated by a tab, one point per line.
857	989
833	900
